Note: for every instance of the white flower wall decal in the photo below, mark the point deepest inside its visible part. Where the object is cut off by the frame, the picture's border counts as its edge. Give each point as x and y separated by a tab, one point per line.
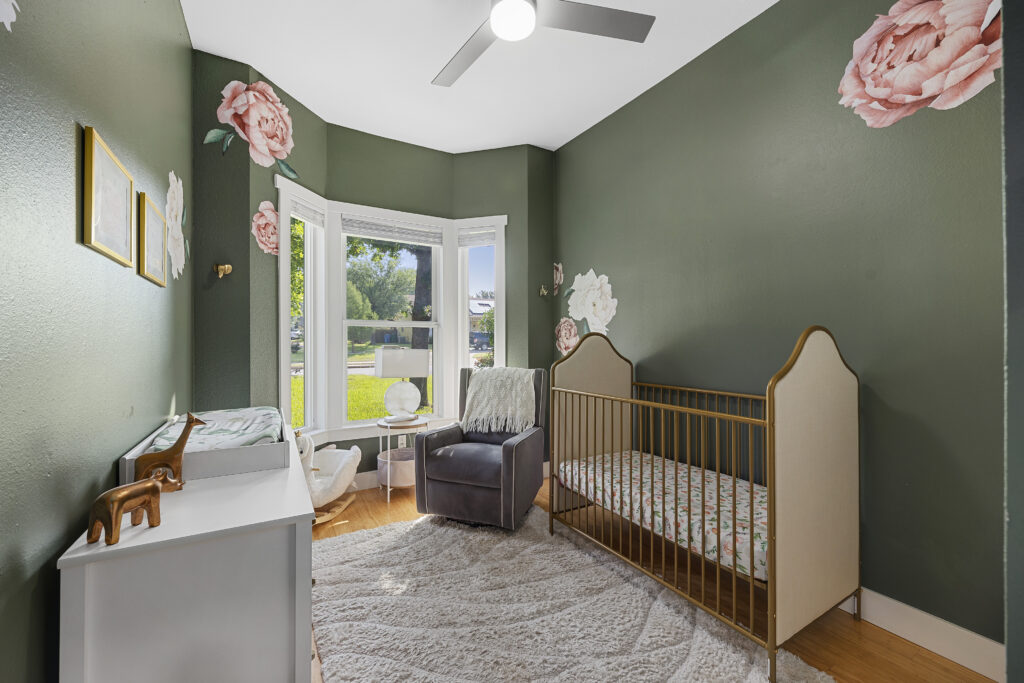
8	12
174	213
591	300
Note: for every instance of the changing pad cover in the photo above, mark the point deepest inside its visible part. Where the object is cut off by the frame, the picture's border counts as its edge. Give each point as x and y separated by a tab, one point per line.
225	429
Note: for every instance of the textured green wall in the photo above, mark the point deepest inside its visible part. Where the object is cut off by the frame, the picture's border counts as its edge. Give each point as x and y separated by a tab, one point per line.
374	171
221	218
736	203
92	356
1013	98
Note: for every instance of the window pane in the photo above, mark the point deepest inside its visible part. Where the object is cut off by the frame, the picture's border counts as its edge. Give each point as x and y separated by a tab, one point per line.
298	322
366	389
480	279
388	280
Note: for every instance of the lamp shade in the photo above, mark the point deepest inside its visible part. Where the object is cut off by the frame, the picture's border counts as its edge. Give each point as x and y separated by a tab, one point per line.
400	362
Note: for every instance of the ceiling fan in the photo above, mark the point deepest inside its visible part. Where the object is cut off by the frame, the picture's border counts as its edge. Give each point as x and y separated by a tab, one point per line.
515	19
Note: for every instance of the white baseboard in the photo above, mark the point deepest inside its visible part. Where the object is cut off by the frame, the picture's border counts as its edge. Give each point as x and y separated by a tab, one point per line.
365	480
964	647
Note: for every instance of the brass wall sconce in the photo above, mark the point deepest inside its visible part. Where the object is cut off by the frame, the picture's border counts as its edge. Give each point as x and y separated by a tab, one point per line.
222	269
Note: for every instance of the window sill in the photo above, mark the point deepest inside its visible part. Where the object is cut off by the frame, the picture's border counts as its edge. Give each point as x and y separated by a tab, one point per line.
364	431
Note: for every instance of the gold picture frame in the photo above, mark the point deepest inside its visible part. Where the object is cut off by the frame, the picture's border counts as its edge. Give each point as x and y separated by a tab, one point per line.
109	202
152	241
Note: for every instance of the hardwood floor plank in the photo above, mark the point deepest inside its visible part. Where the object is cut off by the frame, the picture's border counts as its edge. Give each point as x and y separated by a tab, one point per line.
848	650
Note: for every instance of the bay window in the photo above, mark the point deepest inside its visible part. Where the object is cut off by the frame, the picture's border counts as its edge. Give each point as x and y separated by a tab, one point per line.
355	280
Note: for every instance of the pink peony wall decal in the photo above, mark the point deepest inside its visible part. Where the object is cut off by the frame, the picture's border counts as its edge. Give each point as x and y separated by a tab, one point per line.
264	228
566	335
258	116
923	53
559	278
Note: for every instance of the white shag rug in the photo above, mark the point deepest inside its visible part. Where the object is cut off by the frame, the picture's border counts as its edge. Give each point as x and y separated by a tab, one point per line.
436	600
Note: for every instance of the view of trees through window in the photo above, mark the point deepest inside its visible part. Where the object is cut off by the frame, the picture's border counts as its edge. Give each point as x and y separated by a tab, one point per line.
297	332
387	282
388	285
480	279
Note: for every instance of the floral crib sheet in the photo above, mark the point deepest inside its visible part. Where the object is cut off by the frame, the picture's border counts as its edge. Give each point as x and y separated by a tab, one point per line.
605	480
225	429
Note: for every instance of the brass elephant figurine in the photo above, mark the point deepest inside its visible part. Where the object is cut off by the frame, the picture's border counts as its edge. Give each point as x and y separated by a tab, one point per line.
108	508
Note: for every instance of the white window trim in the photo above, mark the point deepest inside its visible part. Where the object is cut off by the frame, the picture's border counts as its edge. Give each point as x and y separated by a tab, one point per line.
327	381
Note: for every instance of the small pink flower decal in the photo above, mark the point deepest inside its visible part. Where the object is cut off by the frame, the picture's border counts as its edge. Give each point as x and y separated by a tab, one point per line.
566	335
260	118
923	53
559	278
264	228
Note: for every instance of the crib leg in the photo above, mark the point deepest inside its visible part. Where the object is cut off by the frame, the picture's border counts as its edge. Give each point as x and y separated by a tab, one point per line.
771	665
856	604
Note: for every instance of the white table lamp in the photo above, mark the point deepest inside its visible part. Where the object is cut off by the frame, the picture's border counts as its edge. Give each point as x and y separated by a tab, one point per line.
402	399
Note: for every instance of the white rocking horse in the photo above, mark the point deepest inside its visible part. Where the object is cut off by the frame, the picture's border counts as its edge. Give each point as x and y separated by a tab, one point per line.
329	473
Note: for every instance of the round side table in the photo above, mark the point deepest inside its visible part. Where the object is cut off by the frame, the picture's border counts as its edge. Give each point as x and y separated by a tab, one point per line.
401	427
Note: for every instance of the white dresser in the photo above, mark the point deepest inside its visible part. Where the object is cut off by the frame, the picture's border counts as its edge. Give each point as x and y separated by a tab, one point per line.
220	591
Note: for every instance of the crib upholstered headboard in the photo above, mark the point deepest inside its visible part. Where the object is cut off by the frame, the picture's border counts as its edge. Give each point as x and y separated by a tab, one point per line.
594	366
813	407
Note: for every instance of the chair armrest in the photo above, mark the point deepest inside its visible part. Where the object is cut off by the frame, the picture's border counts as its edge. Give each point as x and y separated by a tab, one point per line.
522	443
522	471
428	442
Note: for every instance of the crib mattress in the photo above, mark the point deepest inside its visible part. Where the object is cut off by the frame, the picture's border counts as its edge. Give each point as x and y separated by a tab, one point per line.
605	480
225	429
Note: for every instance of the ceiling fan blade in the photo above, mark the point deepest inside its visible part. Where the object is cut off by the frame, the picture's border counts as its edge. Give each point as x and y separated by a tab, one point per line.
466	55
598	21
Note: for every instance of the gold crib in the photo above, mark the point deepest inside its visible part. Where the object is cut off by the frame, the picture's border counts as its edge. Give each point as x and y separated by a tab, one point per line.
775	478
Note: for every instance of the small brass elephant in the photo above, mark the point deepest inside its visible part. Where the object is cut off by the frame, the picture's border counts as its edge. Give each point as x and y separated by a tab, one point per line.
135	498
166	465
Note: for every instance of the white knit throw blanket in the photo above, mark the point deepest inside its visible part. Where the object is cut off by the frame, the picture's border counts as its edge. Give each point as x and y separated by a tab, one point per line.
500	400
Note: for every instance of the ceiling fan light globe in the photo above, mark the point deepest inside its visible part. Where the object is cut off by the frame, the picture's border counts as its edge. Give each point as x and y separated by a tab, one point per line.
513	20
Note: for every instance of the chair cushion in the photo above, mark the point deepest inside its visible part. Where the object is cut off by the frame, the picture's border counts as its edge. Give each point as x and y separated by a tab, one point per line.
477	464
496	438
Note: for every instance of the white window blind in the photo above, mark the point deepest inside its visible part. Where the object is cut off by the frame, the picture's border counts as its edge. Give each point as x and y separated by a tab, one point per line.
307	213
360	226
476	237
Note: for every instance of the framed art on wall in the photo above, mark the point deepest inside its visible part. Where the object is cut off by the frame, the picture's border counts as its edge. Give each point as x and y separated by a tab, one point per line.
109	195
152	242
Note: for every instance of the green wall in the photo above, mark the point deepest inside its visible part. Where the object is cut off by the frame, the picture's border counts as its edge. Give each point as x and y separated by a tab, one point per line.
1013	117
736	203
221	203
92	356
374	171
515	181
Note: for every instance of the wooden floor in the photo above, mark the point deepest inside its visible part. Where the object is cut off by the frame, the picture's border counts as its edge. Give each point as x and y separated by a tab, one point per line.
836	644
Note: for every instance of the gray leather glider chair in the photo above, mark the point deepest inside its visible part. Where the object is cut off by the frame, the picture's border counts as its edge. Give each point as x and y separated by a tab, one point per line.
482	477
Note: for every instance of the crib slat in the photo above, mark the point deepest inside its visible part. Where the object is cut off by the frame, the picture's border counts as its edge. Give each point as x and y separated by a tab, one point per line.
703	505
664	495
718	513
735	503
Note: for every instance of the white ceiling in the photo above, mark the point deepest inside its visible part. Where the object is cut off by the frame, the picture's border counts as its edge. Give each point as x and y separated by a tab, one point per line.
368	64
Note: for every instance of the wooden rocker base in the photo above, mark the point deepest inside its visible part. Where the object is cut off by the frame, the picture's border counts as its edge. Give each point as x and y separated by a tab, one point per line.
333	509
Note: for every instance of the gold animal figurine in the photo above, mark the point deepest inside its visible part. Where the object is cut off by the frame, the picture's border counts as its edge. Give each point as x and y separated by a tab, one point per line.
135	498
165	466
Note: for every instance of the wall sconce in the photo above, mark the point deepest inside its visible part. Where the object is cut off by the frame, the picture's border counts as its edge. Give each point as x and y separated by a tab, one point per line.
222	269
